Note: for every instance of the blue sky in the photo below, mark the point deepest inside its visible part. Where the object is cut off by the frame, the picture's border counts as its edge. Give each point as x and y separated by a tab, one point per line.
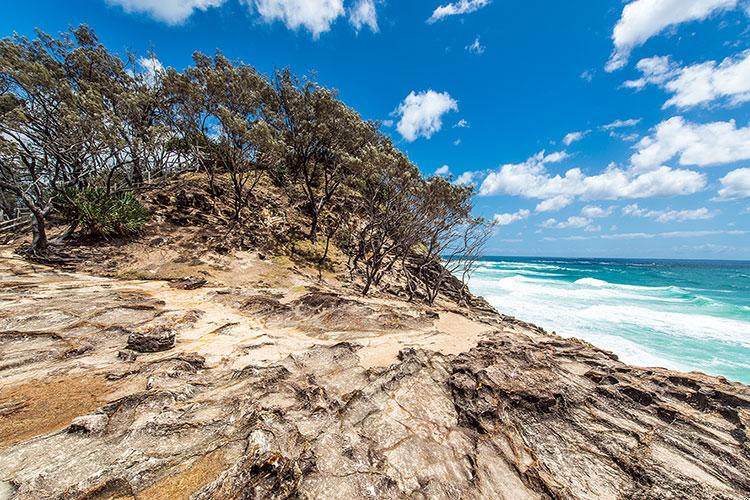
590	127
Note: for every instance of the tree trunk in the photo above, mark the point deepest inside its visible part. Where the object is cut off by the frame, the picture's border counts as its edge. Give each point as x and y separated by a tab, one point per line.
39	242
313	236
67	234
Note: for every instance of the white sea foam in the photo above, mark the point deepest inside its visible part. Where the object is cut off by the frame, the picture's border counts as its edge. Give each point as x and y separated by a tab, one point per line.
667	326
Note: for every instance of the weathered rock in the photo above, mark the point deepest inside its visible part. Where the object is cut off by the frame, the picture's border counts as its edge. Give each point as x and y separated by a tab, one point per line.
94	424
189	283
520	414
127	355
155	340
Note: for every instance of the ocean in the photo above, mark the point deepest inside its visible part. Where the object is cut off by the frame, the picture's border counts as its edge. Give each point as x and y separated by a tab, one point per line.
679	314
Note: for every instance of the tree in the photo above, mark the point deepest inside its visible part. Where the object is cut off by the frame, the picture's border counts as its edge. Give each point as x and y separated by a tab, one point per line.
453	237
317	142
50	125
385	225
219	108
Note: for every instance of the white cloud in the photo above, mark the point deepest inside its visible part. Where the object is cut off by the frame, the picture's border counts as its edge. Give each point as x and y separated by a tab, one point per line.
693	144
644	236
665	216
316	16
457	8
506	219
168	11
476	47
736	185
574	222
596	212
465	178
672	234
587	75
700	84
583	221
444	170
643	19
617	124
554	204
461	124
655	70
151	67
531	179
421	114
574	137
363	14
614	129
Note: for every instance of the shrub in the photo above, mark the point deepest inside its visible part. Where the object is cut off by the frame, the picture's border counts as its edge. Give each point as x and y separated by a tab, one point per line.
101	215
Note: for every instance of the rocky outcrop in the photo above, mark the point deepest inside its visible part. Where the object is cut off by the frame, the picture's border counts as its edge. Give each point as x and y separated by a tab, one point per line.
157	340
512	418
519	414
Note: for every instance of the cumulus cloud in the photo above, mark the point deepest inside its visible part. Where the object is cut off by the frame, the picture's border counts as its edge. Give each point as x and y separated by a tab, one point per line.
573	222
615	129
672	234
618	124
506	219
574	137
168	11
421	114
700	84
476	47
735	185
531	179
692	144
656	70
583	221
316	16
643	19
364	14
665	216
444	170
466	178
645	236
457	8
151	68
461	124
596	212
554	204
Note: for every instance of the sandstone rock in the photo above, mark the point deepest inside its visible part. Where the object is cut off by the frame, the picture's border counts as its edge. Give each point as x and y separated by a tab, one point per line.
156	340
94	424
189	283
127	355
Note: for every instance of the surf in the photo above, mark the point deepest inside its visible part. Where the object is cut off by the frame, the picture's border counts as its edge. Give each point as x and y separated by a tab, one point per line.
675	314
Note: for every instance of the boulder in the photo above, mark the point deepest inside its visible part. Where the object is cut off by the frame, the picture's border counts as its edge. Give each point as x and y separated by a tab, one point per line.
156	340
94	424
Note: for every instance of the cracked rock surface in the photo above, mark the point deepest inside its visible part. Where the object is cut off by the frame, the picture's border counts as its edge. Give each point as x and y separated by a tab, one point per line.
272	394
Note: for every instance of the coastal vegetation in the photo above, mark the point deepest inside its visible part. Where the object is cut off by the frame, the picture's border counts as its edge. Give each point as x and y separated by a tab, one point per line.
84	131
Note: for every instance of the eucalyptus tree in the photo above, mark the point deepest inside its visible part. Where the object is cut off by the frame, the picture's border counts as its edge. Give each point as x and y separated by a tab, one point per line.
219	109
453	238
317	142
386	225
51	121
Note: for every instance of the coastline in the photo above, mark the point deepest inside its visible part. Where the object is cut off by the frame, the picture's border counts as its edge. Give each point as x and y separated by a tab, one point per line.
291	387
683	315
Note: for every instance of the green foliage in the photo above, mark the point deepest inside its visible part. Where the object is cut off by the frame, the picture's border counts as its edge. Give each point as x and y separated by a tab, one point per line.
101	215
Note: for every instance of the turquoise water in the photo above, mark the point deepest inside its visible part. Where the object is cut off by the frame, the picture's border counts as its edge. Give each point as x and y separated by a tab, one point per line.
683	315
